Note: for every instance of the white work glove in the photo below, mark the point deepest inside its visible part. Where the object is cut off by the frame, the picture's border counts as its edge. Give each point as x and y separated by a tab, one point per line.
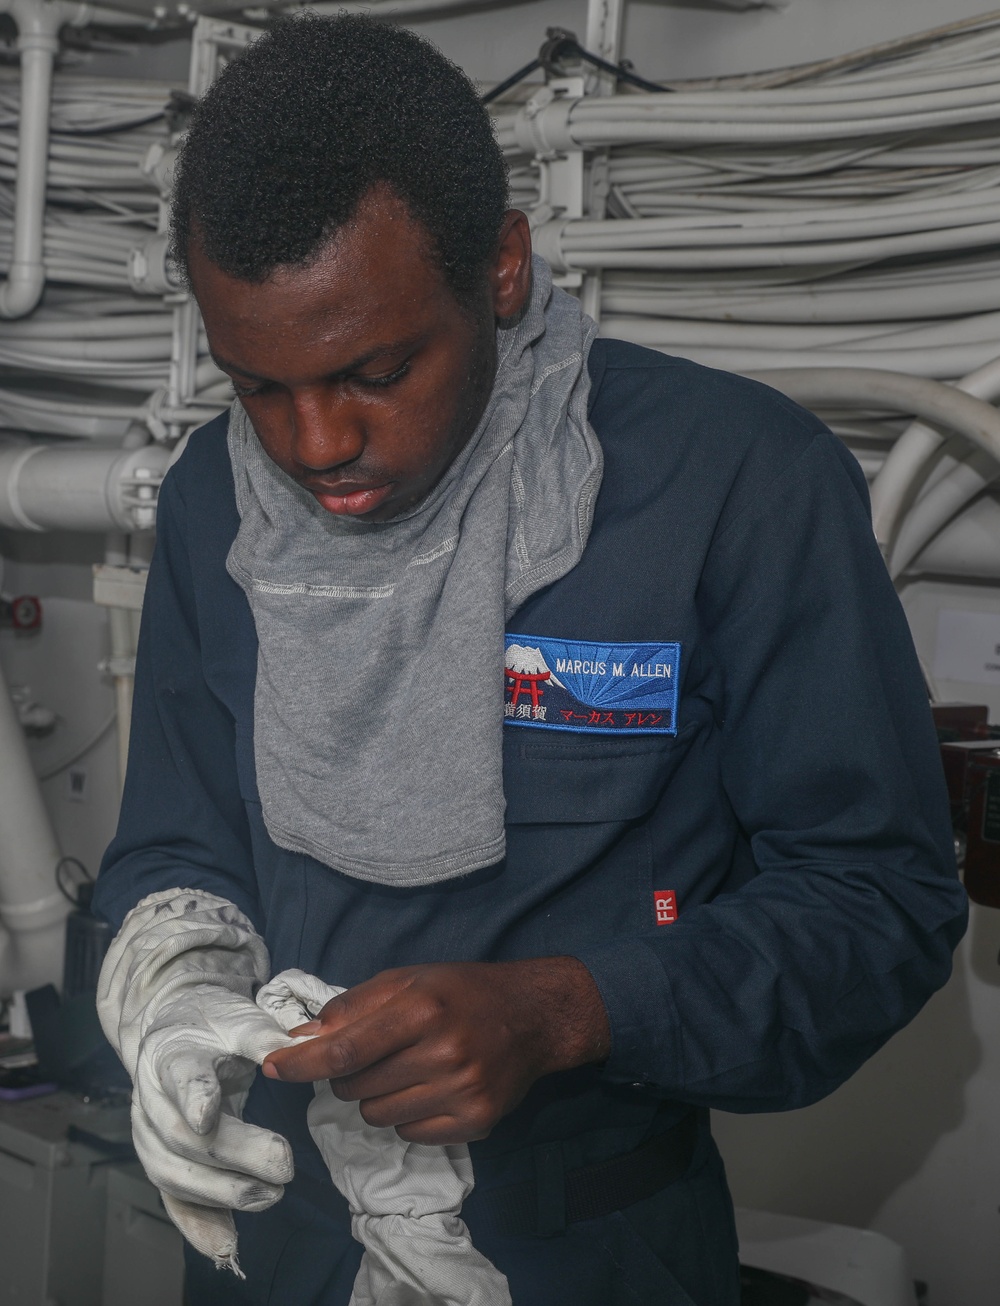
405	1198
175	999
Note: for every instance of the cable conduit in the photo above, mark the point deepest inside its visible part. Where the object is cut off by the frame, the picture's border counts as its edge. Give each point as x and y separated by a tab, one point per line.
932	401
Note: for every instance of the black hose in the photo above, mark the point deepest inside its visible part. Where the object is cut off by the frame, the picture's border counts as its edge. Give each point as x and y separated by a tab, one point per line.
560	45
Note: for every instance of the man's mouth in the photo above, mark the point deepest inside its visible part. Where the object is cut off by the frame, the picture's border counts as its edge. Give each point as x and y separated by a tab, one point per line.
352	501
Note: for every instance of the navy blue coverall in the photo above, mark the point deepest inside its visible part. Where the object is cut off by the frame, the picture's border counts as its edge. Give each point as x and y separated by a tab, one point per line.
797	817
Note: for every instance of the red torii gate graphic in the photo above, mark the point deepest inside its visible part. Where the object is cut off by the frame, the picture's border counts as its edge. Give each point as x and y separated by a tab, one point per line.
527	682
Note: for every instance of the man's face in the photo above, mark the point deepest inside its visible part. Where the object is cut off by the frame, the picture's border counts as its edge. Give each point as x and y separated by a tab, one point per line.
361	373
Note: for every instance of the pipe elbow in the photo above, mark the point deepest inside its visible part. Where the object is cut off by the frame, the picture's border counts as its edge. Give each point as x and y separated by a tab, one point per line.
38	22
22	290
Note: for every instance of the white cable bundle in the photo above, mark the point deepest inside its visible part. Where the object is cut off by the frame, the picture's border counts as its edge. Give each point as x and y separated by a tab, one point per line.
849	218
840	215
109	347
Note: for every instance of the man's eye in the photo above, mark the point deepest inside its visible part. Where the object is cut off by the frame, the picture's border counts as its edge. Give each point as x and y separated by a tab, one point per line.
246	391
389	379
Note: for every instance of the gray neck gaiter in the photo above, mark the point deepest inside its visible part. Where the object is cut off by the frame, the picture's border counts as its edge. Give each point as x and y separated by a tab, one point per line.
378	708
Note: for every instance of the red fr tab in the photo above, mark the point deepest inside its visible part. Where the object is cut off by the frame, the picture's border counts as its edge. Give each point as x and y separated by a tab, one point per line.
665	904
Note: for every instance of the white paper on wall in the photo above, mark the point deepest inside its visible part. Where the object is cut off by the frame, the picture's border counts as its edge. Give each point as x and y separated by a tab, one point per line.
968	647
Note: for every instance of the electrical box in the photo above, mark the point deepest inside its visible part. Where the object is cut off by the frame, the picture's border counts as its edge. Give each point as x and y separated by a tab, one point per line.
143	1251
982	852
958	757
52	1204
970	755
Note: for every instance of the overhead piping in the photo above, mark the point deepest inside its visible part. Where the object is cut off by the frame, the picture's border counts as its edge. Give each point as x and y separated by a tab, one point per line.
49	487
932	401
909	456
32	910
38	23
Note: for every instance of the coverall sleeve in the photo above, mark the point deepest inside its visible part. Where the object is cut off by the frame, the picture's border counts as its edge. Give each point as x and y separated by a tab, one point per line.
182	822
769	997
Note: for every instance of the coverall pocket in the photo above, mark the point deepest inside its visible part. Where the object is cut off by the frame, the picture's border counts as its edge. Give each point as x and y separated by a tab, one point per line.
597	779
576	814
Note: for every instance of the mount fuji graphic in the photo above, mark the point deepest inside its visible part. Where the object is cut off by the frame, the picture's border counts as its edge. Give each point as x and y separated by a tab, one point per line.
526	661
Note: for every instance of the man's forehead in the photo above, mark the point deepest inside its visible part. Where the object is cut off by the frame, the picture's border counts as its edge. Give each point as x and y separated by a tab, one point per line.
376	266
372	294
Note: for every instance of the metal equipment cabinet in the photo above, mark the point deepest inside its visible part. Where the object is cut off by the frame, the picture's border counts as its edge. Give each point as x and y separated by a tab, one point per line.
143	1255
52	1205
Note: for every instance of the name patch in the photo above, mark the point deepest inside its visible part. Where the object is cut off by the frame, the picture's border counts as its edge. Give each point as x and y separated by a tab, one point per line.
609	689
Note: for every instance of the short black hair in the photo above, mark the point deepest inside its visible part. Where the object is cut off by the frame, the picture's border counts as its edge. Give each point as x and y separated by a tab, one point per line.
312	115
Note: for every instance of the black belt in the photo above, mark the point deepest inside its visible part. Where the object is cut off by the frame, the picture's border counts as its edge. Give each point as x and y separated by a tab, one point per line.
557	1197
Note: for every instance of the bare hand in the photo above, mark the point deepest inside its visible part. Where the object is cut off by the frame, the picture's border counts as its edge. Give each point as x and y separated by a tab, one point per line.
441	1052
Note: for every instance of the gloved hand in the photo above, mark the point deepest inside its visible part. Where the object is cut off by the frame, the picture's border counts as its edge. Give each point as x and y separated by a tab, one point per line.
405	1198
175	1001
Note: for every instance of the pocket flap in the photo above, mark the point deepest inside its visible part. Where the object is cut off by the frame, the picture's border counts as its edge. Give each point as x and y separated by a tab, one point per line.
593	780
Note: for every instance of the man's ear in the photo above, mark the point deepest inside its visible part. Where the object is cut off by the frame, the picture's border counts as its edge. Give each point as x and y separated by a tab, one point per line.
510	275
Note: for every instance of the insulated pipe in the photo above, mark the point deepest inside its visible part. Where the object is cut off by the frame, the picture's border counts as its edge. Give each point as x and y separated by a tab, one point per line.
933	401
37	43
121	664
32	910
680	333
45	487
939	505
911	452
568	250
934	361
122	668
968	546
392	10
23	412
789	223
850	305
858	60
38	23
573	126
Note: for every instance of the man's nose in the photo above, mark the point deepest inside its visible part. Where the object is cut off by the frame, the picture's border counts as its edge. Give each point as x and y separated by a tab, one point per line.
329	430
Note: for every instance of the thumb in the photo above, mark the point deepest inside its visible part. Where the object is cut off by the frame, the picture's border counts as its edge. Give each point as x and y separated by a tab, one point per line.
254	1033
189	1080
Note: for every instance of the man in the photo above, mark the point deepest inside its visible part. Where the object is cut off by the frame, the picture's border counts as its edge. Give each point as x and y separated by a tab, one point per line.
546	692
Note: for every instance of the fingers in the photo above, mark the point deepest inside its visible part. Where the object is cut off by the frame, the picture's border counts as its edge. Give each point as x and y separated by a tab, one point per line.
395	1109
382	1031
251	1150
209	1230
441	1131
231	1145
342	1010
195	1077
405	1070
196	1178
351	1004
461	1113
330	1056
